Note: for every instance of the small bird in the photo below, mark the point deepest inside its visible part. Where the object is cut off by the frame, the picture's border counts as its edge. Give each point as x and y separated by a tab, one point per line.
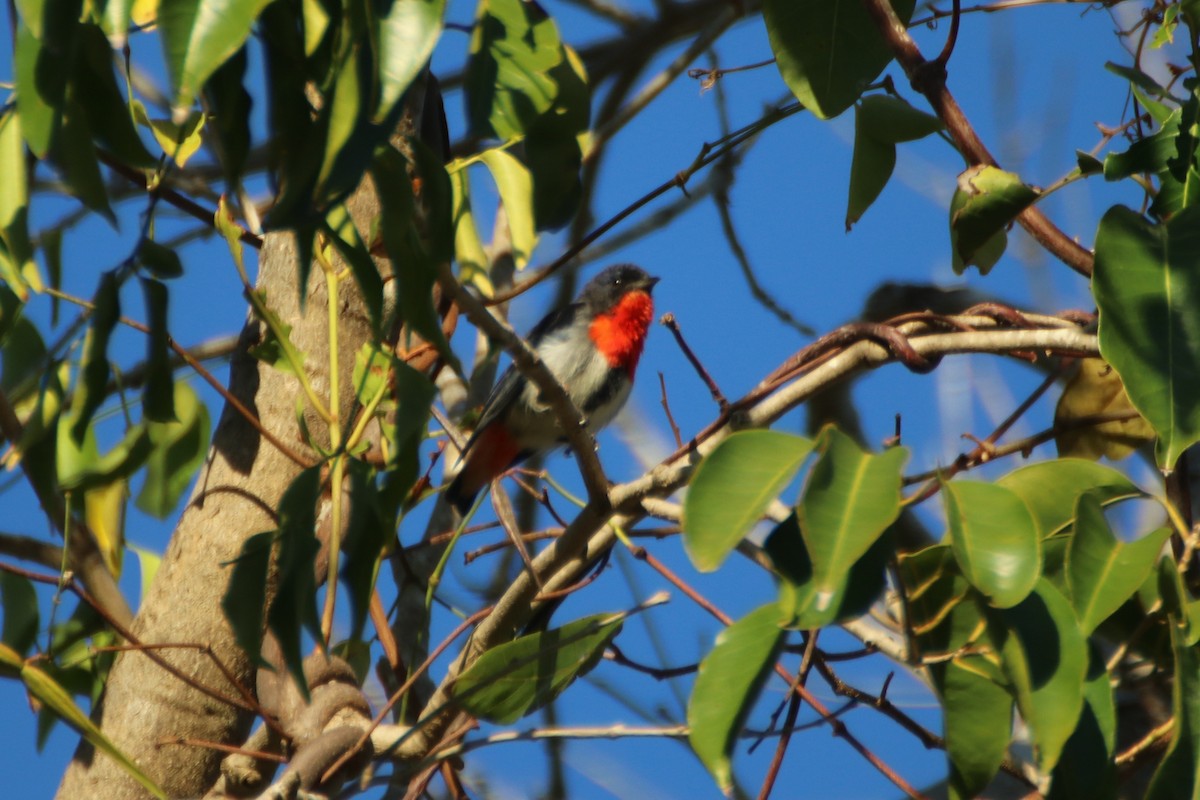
592	347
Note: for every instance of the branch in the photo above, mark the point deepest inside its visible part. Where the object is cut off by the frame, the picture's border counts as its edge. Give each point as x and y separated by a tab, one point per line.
930	80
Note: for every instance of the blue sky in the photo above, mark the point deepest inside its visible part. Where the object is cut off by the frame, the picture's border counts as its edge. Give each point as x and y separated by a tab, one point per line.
1031	81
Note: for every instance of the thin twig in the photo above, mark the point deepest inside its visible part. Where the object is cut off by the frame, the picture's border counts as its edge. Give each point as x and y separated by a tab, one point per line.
717	395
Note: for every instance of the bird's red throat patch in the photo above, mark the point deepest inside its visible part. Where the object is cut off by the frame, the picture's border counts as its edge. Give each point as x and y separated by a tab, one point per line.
620	333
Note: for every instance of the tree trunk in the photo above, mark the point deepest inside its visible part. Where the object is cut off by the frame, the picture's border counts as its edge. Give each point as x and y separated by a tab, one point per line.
235	498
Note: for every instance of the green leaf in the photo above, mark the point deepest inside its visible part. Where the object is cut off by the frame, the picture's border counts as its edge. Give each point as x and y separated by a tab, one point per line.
416	261
230	105
516	192
18	269
74	155
472	259
244	602
1046	657
363	543
827	51
508	85
20	604
81	466
1085	768
1102	572
732	488
1147	287
1050	489
41	80
148	564
1087	163
850	499
986	201
158	399
353	250
518	677
198	36
1176	773
179	448
294	608
94	371
406	34
276	347
880	122
892	120
414	397
94	86
994	539
727	686
802	605
159	260
977	719
1139	79
53	696
179	140
1149	154
870	169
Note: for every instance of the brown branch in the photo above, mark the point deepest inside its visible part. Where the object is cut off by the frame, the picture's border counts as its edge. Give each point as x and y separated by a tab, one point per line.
932	84
662	385
668	320
180	201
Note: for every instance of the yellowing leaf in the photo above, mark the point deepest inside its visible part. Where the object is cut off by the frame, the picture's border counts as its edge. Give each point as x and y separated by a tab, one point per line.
1097	389
104	510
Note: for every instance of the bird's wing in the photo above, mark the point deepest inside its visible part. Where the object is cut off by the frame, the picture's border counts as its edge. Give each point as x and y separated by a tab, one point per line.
511	383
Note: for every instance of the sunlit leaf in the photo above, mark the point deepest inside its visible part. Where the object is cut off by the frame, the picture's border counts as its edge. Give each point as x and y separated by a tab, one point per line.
17	267
406	36
727	686
469	254
1050	489
1147	287
732	488
104	510
54	697
1103	572
198	36
516	192
178	140
994	539
518	677
148	564
985	203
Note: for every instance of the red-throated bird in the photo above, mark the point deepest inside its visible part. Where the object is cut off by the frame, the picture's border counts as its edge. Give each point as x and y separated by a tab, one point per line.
592	347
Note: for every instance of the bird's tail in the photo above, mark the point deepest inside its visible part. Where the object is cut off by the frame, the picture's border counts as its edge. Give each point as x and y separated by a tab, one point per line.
490	453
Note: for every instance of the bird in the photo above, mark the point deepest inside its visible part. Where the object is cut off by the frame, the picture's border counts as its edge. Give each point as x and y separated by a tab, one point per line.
592	347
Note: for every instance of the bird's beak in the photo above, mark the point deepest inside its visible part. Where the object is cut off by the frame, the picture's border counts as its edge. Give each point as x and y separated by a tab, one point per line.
648	284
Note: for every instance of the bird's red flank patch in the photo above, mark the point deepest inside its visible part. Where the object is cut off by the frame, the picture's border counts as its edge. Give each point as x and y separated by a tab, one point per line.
620	334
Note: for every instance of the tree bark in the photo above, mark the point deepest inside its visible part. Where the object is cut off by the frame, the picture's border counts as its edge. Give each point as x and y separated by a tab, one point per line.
235	498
